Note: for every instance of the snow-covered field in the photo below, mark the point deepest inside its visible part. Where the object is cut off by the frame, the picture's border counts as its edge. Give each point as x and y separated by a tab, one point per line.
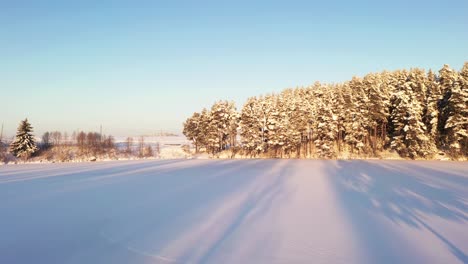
235	211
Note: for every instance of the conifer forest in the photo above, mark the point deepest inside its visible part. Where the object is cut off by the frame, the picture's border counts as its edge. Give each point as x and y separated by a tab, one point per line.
414	113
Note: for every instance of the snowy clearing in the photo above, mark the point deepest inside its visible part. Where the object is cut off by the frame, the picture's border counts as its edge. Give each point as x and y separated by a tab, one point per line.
235	211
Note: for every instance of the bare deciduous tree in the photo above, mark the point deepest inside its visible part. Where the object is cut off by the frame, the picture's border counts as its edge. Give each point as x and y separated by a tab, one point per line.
141	146
46	140
128	145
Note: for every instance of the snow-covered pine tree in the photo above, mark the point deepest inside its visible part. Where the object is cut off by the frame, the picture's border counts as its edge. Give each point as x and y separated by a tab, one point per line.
271	123
464	92
192	130
417	80
347	116
215	131
24	144
260	121
453	107
252	127
408	135
457	110
403	110
447	79
233	126
302	120
294	121
430	110
337	101
283	134
225	121
311	98
357	117
209	132
378	95
326	128
275	125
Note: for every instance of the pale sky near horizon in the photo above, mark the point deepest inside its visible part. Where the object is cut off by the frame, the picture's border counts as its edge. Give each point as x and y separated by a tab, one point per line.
137	67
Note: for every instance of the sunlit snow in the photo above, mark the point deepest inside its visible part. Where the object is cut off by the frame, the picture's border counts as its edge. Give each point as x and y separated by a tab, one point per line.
235	211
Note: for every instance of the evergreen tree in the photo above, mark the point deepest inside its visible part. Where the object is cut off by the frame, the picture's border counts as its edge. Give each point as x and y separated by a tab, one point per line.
293	122
457	110
463	125
408	137
325	126
225	123
411	112
448	78
24	144
377	108
430	111
357	117
253	125
192	130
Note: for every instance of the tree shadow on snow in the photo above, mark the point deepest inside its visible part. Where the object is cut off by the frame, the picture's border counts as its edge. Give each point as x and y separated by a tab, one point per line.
170	216
402	192
141	212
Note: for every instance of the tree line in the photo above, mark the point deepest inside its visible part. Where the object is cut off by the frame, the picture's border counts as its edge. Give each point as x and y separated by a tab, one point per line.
412	112
58	145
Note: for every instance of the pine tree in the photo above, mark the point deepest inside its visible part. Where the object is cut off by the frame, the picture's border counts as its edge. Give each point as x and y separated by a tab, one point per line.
203	123
210	132
447	80
225	122
464	95
256	123
310	99
377	108
411	112
24	144
325	127
357	123
430	110
192	130
293	122
457	108
409	137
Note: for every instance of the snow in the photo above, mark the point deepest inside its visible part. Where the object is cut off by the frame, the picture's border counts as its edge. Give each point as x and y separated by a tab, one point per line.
235	211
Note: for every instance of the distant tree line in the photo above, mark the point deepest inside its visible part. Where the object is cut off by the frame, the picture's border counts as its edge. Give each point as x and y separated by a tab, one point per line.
88	142
413	112
58	145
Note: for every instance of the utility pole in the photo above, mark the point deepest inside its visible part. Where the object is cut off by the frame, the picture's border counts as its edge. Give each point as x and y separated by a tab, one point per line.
1	142
100	134
1	134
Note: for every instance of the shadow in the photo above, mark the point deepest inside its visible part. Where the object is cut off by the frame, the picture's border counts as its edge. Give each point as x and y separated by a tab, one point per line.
190	223
68	177
19	173
403	192
134	210
257	202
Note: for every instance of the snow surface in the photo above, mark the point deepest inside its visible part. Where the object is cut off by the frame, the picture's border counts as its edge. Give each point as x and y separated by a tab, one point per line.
235	211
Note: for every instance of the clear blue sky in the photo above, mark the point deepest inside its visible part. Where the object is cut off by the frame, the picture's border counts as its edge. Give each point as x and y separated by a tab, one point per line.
141	66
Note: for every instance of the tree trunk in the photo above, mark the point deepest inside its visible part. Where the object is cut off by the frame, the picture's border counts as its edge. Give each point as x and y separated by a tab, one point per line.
375	139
